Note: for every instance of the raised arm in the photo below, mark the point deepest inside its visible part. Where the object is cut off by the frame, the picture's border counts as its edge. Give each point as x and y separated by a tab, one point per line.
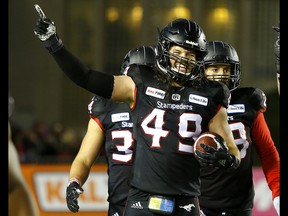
119	88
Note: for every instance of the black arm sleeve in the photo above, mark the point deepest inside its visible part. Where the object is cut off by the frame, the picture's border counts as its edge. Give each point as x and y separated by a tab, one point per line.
94	81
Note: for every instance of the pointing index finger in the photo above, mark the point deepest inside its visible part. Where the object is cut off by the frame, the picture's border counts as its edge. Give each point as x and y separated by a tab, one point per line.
40	11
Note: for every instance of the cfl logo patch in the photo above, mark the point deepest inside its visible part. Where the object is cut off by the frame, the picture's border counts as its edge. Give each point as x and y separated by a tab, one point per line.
176	97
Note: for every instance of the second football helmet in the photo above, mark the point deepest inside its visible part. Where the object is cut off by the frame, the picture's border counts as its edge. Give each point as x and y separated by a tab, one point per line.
222	52
277	48
144	55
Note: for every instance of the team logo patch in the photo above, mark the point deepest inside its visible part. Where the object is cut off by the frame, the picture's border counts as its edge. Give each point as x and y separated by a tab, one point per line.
198	99
236	108
176	97
155	92
120	117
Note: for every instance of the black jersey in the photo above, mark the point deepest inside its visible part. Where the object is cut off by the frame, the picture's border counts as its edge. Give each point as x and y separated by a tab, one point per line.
222	190
116	121
166	127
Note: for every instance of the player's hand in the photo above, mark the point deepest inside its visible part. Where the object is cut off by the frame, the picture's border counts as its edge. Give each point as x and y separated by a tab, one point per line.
73	191
45	29
218	158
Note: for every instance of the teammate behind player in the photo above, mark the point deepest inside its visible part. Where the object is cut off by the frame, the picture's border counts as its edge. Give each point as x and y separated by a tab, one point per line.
20	198
110	127
224	193
172	105
277	55
143	55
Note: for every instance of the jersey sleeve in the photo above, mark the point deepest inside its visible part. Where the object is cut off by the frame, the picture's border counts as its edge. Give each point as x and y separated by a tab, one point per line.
268	153
94	81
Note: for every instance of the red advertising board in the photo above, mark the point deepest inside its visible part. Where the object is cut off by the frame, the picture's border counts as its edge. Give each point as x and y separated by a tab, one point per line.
263	205
48	185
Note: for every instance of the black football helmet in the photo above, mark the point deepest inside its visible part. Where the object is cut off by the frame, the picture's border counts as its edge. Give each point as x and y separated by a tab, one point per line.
187	34
277	48
11	103
222	52
144	55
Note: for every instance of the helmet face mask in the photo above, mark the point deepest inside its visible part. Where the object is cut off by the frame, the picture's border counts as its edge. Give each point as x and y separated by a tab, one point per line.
221	78
187	35
221	53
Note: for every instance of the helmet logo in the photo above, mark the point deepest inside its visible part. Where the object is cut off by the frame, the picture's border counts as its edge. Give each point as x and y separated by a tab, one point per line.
191	42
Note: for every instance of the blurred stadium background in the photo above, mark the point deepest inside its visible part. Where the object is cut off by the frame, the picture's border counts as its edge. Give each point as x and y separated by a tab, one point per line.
50	115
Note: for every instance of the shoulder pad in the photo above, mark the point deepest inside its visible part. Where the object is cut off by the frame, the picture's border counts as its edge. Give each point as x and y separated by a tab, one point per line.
222	93
140	73
258	100
98	105
255	96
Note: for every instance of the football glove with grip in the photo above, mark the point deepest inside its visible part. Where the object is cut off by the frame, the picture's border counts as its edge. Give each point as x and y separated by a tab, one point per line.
73	191
45	29
217	158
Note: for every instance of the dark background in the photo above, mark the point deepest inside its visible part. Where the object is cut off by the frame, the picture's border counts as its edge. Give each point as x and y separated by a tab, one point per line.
100	32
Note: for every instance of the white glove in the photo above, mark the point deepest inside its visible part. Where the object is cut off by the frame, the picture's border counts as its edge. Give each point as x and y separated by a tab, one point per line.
276	203
44	28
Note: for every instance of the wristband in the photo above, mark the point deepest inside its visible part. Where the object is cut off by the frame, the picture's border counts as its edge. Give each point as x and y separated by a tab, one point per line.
74	180
53	44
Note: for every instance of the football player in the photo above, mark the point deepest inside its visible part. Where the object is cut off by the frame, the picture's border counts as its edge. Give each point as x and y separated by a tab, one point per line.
21	201
224	193
171	104
277	55
110	127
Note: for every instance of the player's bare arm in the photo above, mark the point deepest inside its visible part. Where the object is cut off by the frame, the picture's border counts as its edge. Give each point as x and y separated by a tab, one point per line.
88	152
123	89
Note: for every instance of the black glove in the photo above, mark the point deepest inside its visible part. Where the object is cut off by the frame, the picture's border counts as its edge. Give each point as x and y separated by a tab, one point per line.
217	158
45	29
72	193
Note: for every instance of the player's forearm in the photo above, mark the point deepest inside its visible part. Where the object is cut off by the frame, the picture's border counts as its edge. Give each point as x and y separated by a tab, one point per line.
79	171
77	71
